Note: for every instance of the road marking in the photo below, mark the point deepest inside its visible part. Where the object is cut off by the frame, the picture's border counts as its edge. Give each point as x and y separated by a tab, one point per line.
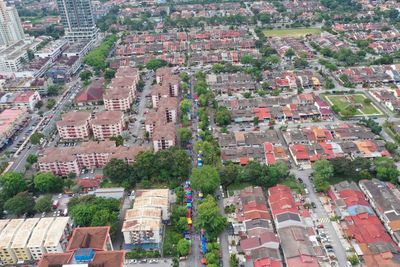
324	220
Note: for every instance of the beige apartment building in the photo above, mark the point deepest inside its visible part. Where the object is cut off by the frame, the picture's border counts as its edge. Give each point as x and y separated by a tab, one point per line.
7	255
19	244
36	242
74	125
56	238
107	124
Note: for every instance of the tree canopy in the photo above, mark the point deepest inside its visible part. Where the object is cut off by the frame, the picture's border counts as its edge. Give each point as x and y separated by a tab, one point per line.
154	64
43	204
222	116
36	137
20	203
205	179
183	247
97	57
12	183
47	182
210	218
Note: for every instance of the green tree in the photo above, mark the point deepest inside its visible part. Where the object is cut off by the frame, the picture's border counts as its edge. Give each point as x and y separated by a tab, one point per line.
12	183
209	218
367	101
183	247
119	140
205	179
20	203
46	182
185	135
233	261
391	147
323	172
53	89
36	137
50	103
118	171
97	57
186	105
32	158
222	117
229	173
218	68
109	74
43	204
246	59
210	152
85	75
181	225
184	77
324	168
154	64
353	259
103	217
39	104
83	214
329	84
290	53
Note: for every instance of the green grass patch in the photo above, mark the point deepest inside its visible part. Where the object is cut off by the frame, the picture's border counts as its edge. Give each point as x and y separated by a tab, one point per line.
297	32
293	184
170	240
357	100
234	187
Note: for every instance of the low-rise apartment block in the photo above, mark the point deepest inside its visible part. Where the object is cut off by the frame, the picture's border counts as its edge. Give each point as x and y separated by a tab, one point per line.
143	224
19	243
161	121
36	241
122	89
107	124
57	235
89	155
74	125
7	255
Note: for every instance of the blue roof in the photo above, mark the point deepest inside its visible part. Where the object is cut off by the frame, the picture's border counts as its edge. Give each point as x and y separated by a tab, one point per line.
357	209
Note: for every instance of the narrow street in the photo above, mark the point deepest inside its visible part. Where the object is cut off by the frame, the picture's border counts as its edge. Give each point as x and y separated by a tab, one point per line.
223	238
142	106
320	212
194	258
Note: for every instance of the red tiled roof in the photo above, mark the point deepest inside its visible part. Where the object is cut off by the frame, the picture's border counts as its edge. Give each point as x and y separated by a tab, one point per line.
299	151
23	97
262	113
88	183
366	228
89	237
303	261
267	262
244	160
281	200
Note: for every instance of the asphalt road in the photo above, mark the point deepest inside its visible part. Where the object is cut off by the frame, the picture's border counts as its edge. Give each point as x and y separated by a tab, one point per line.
194	258
340	252
135	130
72	88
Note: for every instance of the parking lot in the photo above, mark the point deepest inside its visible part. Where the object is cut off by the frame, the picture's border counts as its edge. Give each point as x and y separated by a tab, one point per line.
148	263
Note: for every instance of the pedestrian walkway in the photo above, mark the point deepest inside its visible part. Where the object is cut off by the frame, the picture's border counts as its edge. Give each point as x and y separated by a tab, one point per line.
324	220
